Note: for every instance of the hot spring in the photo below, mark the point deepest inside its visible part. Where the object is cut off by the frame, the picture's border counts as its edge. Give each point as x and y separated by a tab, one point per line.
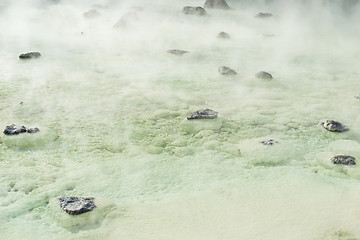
112	103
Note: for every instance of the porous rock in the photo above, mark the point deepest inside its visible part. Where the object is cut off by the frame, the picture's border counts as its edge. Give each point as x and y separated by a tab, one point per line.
334	126
177	51
203	114
219	4
224	35
343	159
199	11
30	55
264	75
76	205
226	71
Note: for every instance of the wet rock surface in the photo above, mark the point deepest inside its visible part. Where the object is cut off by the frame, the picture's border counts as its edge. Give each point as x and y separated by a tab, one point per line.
176	51
93	13
203	114
263	15
223	35
219	4
263	75
226	71
269	142
334	126
343	159
29	55
77	205
199	11
15	130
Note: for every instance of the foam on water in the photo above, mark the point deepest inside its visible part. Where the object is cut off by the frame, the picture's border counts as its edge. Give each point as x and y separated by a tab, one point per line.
111	106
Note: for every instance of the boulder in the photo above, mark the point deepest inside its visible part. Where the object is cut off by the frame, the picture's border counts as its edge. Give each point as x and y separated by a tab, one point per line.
199	11
219	4
93	13
14	130
334	126
269	142
263	15
176	51
203	114
343	159
30	55
226	71
264	75
223	35
77	205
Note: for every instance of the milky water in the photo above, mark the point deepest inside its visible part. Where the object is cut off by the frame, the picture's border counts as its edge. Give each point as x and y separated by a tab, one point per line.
111	105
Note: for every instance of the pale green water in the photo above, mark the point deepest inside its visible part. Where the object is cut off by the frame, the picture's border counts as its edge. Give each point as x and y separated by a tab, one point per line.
112	105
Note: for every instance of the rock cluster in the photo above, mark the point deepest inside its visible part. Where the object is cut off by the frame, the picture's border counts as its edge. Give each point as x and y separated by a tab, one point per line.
199	11
30	55
343	159
77	205
334	126
15	130
203	114
226	71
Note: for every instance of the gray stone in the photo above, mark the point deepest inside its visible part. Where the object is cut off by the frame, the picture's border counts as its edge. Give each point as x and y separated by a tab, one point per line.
199	11
219	4
226	71
32	130
343	159
263	15
334	126
126	19
269	142
224	35
177	52
15	130
93	13
357	96
77	205
203	114
264	75
30	55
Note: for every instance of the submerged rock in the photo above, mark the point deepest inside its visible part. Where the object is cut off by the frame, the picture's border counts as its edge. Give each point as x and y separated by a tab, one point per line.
263	15
176	51
126	19
269	142
93	13
264	75
343	159
224	35
77	205
14	130
203	114
334	126
199	11
226	71
220	4
30	55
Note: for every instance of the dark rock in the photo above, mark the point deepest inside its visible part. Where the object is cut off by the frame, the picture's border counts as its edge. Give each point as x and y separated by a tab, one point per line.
220	4
14	130
223	35
77	205
269	142
263	15
334	126
126	19
343	159
177	52
264	75
93	13
226	71
203	114
30	55
199	11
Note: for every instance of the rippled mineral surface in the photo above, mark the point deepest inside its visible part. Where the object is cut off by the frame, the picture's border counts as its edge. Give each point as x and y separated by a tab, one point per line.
112	104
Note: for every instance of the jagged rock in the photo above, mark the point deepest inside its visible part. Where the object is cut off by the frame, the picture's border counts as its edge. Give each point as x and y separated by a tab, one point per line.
343	159
224	35
226	71
263	15
177	52
77	205
199	11
334	126
126	19
15	130
93	13
269	142
220	4
203	114
264	75
30	55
